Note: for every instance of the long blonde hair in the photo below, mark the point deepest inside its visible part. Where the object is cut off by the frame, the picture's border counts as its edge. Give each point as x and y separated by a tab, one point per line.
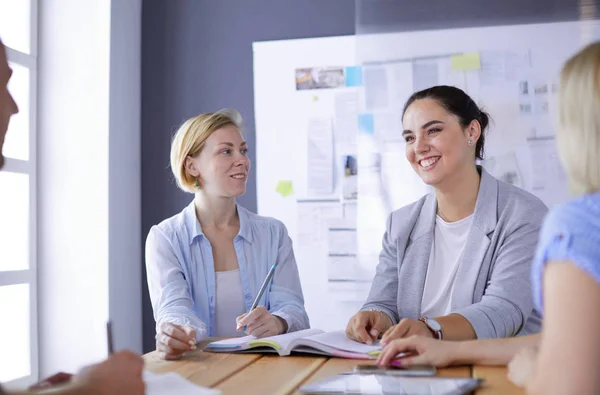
578	132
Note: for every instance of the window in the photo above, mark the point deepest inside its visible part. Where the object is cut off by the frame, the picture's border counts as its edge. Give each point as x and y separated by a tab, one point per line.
18	269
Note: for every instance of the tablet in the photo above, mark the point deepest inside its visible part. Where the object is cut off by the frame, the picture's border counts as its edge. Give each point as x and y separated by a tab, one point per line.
415	370
375	384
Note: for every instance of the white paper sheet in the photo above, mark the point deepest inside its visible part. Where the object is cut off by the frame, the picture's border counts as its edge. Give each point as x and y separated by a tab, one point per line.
345	268
320	157
342	240
547	172
339	340
346	120
376	88
498	67
425	74
313	217
172	383
505	168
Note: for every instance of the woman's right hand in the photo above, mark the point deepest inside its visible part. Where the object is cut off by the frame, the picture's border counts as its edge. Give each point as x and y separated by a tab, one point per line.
174	340
366	326
421	351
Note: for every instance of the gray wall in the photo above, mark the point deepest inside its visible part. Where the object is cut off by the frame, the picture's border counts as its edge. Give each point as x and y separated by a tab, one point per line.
381	16
197	57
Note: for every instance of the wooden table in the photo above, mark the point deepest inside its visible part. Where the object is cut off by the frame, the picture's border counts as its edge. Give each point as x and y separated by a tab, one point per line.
239	373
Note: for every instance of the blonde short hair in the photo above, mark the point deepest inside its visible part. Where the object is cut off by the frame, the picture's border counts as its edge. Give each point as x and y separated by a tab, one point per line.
578	132
190	138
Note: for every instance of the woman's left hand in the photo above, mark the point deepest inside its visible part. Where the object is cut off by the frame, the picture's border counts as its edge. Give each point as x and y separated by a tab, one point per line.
260	323
522	366
405	328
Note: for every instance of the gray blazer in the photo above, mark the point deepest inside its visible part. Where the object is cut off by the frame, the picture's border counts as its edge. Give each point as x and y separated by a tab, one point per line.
493	282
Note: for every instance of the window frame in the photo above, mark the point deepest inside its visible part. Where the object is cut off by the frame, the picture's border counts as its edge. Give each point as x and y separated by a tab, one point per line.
29	167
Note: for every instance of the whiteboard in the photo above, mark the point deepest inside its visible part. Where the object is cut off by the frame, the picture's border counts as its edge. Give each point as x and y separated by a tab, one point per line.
519	146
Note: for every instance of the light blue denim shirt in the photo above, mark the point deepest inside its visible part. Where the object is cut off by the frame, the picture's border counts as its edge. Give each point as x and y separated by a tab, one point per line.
181	275
571	232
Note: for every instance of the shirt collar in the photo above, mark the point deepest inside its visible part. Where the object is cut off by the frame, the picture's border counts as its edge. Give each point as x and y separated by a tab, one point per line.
194	229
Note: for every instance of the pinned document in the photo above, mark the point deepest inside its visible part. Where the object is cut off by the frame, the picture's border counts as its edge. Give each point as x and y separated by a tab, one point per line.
466	61
284	188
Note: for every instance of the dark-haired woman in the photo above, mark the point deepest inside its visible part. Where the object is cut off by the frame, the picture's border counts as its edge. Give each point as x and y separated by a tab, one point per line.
455	264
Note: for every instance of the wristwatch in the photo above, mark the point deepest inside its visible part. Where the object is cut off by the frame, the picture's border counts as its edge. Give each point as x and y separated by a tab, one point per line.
433	326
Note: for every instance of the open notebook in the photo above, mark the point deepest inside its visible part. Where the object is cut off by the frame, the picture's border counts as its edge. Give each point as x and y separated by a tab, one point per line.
311	341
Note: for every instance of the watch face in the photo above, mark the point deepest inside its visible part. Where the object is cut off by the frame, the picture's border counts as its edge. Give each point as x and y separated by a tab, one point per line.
433	324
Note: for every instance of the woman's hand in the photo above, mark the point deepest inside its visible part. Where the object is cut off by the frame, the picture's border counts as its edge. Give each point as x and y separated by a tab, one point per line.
366	326
120	374
260	323
522	366
405	328
419	350
174	340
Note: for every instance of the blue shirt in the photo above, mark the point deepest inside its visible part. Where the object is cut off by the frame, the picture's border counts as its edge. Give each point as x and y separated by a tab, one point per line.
571	232
181	275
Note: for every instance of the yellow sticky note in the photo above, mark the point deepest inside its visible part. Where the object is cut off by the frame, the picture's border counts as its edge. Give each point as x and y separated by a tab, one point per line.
284	188
466	61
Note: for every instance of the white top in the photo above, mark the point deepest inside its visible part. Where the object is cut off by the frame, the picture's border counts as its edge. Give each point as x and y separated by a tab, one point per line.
229	303
448	244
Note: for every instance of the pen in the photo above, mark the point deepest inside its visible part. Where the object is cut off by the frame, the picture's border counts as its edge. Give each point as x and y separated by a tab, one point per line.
263	287
109	338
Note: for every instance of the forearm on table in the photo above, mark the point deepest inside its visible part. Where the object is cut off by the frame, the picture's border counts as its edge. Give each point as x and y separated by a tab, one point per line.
492	351
456	327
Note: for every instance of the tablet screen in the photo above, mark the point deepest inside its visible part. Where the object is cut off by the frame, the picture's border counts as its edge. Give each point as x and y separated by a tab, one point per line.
375	384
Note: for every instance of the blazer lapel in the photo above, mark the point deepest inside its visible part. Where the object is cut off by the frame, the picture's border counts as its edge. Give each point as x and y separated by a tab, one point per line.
478	241
413	266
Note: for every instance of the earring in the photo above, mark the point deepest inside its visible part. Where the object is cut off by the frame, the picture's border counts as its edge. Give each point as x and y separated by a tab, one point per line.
196	183
470	142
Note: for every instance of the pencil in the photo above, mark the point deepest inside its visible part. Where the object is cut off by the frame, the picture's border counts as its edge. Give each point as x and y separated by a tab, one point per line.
109	338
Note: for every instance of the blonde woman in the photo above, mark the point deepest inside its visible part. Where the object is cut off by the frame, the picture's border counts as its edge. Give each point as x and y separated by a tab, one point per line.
206	264
565	358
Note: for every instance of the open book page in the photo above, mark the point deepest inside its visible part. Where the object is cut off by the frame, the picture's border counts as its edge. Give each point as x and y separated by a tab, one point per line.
279	342
337	343
233	343
283	342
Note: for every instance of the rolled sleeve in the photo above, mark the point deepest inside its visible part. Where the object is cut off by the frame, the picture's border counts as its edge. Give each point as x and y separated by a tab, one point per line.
285	295
570	234
168	288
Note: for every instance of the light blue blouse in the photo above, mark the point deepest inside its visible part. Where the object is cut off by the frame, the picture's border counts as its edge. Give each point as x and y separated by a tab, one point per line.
181	276
571	232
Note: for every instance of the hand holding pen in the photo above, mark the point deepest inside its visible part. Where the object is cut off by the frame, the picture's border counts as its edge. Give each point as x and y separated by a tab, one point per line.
259	322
